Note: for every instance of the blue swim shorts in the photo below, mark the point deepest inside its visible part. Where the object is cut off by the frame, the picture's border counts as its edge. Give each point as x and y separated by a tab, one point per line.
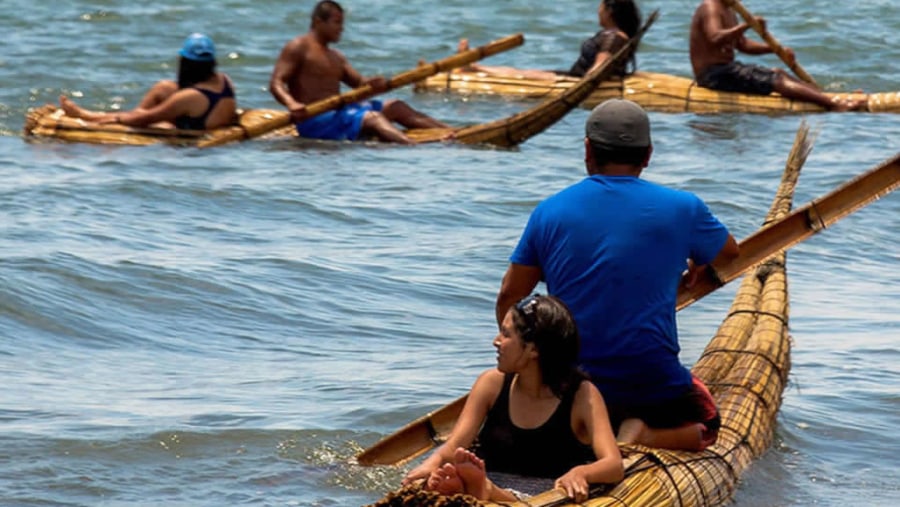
342	124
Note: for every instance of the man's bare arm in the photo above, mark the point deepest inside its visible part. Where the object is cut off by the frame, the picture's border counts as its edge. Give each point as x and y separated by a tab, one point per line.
714	31
729	251
286	68
517	283
351	77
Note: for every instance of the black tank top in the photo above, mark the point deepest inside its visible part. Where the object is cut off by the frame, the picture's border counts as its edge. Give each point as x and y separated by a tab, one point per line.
607	41
547	451
199	122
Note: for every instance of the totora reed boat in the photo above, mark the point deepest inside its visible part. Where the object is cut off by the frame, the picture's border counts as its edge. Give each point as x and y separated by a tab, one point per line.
745	365
653	91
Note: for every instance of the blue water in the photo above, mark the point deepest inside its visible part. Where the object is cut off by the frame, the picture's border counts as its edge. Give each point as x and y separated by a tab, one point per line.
227	327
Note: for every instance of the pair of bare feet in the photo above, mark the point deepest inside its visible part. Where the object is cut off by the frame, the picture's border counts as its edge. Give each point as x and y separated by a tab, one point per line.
848	104
461	47
72	109
466	474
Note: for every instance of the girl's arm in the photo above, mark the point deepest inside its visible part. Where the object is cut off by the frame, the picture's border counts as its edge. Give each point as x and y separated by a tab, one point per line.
590	415
481	397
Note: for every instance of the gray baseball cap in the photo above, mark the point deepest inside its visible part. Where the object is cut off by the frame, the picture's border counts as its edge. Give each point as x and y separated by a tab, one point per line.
618	123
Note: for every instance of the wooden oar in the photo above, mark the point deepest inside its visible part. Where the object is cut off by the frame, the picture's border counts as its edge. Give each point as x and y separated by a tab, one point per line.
777	48
425	432
799	225
413	439
419	73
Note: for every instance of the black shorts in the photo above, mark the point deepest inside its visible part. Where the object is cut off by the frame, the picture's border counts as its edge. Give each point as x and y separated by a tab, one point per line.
695	405
738	77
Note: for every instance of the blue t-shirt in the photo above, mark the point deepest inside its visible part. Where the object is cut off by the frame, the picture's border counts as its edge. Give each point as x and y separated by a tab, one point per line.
614	248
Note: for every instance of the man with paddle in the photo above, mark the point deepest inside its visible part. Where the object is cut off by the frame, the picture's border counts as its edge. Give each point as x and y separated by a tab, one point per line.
716	34
308	70
613	247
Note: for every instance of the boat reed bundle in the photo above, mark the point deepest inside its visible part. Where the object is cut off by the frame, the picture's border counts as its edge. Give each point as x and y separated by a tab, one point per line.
745	367
653	91
49	121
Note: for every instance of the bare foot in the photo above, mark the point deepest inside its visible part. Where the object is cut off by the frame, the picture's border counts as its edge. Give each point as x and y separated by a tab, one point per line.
470	469
69	107
631	431
462	47
445	481
849	105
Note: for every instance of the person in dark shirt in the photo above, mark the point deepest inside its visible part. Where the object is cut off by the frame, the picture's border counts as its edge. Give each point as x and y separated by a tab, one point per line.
619	21
201	99
535	415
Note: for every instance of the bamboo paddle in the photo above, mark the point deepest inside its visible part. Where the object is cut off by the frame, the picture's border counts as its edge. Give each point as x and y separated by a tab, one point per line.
419	73
799	225
763	244
777	48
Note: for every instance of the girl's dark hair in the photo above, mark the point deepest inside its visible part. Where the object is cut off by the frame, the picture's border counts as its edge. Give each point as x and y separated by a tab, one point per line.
191	72
627	16
547	322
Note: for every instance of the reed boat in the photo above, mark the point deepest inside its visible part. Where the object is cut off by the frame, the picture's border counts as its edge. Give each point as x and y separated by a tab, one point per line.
50	122
653	91
745	365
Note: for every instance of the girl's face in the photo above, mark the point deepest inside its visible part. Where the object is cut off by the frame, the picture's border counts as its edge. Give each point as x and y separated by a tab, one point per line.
513	354
603	15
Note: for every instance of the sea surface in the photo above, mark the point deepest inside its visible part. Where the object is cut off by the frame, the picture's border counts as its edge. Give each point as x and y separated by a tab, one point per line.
183	327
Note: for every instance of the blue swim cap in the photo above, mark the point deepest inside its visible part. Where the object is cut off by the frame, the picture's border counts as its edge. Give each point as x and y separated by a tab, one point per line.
199	48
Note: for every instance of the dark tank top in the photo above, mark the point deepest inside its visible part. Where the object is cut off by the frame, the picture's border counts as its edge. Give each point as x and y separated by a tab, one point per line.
547	451
199	122
604	41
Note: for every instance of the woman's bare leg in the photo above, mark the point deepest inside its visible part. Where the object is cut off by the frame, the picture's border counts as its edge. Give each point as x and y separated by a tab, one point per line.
501	71
402	113
75	111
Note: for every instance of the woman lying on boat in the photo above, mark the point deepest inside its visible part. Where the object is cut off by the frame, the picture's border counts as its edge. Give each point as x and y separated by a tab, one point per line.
619	20
535	415
201	99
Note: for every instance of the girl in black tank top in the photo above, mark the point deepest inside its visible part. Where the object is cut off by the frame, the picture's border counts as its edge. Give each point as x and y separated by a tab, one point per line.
535	415
507	448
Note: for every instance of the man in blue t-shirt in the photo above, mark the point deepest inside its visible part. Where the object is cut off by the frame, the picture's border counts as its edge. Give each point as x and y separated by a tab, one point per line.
615	248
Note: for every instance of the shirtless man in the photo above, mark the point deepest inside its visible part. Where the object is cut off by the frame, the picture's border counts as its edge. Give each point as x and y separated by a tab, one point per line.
716	33
308	70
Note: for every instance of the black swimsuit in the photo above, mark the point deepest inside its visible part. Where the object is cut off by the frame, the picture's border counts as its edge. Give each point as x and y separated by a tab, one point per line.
549	450
199	122
604	41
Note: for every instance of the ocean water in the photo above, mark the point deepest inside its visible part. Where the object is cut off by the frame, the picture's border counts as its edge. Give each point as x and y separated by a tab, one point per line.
230	326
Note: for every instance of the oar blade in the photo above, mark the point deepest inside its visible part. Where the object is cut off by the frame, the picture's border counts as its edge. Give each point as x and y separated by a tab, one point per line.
415	438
